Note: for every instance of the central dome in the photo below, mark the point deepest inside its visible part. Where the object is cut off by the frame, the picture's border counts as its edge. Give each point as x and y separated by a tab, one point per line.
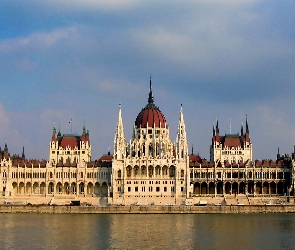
150	115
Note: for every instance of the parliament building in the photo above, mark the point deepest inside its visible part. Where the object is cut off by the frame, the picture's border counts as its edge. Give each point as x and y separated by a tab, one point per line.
148	169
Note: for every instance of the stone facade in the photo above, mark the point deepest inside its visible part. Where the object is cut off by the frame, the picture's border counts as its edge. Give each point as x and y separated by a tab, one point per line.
150	169
68	175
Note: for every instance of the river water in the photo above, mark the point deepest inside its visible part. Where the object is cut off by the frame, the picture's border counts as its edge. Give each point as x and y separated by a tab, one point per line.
147	231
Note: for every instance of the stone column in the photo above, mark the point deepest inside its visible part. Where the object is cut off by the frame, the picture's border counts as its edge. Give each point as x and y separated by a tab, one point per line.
246	188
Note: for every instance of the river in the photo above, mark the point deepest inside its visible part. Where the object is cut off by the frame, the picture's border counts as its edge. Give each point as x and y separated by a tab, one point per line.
147	231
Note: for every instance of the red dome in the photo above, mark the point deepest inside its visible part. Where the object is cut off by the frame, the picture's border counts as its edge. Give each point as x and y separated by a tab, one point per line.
150	115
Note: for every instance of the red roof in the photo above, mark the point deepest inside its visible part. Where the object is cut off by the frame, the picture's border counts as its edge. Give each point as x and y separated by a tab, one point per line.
71	142
232	142
195	158
106	158
150	116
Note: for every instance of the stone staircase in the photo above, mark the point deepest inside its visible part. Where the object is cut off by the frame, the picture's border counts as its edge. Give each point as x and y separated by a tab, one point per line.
231	200
243	200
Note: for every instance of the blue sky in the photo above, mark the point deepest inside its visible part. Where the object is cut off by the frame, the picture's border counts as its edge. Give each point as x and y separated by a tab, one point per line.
62	60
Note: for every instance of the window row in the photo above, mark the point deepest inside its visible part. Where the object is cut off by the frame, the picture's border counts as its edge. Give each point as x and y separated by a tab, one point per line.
150	189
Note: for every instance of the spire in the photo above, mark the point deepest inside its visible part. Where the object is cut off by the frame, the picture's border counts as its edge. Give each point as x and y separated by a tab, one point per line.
181	140
59	133
54	129
278	154
217	129
213	130
23	153
84	128
119	141
247	127
120	120
242	130
151	98
247	135
5	147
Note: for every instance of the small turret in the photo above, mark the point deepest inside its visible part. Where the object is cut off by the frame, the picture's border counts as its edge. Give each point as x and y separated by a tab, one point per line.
23	154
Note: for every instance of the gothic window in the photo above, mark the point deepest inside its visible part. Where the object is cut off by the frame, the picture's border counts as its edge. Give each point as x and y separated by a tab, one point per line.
165	170
162	148
143	149
151	171
119	174
136	170
143	170
150	149
158	170
128	171
172	171
182	173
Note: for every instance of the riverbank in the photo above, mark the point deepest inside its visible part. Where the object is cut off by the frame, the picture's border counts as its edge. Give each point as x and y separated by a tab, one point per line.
234	209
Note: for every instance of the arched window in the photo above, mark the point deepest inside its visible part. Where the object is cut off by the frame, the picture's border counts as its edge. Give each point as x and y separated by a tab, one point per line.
151	149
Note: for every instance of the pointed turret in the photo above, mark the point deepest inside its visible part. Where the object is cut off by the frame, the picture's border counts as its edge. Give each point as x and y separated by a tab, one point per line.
217	138
53	138
247	135
278	154
181	140
217	128
242	130
59	133
23	154
119	141
84	129
85	133
247	127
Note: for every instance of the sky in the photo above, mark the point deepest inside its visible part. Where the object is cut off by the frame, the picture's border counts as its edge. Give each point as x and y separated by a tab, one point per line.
220	59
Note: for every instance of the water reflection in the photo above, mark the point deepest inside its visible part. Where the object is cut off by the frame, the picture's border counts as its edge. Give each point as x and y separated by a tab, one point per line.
147	231
152	232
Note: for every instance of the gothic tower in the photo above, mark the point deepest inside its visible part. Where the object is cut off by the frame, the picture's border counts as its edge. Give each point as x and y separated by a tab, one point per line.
150	168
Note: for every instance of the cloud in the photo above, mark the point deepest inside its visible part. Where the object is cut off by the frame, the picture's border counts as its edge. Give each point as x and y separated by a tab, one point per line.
110	5
37	40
